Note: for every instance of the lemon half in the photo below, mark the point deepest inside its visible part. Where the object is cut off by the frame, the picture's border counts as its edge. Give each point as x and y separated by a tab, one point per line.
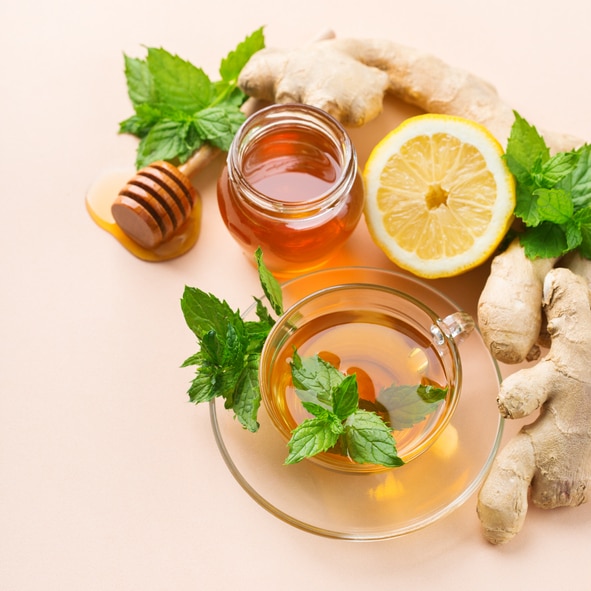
439	195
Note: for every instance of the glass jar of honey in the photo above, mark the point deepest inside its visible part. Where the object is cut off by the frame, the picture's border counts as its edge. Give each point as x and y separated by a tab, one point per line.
291	185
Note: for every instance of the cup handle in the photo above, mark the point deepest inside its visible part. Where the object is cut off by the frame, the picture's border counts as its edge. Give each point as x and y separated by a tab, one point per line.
457	326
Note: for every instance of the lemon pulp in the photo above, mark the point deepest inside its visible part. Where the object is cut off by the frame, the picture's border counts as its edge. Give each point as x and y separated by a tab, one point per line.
439	196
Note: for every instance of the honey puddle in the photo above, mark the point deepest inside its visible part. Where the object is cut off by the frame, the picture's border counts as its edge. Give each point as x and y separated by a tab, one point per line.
101	196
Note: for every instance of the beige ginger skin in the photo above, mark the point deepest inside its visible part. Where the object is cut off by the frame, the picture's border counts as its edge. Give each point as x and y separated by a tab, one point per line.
550	460
348	78
509	307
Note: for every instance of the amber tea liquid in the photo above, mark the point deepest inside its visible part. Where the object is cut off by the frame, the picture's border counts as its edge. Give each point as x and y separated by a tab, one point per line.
382	351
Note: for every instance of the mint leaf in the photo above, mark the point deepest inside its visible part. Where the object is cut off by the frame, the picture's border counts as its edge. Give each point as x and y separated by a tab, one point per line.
256	333
218	125
227	363
247	396
431	394
271	287
140	86
345	397
204	312
578	183
526	205
332	397
556	168
146	116
554	205
263	314
526	149
165	140
369	440
204	387
222	358
232	64
178	83
573	234
407	405
314	379
544	241
225	354
313	436
583	218
315	409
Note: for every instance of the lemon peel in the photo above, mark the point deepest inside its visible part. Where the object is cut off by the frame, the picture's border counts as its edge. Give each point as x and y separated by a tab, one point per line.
439	195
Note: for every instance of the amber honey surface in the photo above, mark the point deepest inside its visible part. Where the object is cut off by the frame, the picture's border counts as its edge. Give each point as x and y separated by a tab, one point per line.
288	197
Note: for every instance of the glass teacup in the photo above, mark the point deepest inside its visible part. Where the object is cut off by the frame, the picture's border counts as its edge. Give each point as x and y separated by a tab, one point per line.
386	337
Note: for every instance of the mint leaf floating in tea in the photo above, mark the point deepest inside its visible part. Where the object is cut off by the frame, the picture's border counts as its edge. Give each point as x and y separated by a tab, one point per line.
315	380
314	436
333	398
227	362
408	405
368	439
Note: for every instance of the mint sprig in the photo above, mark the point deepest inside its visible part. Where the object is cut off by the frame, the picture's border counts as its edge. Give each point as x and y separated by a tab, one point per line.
553	193
333	399
178	108
230	348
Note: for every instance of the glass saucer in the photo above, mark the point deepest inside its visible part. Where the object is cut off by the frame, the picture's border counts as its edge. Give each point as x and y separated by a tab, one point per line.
386	504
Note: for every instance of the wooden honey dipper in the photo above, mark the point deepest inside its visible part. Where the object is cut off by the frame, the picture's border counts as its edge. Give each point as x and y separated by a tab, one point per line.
158	200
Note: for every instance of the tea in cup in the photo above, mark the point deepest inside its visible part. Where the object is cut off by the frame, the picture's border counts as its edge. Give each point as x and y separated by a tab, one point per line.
391	341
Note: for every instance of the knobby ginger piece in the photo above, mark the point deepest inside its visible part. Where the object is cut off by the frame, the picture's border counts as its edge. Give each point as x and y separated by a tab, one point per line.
510	305
349	90
548	461
349	78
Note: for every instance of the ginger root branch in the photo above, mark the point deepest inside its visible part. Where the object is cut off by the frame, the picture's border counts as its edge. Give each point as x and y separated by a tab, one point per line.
349	77
551	458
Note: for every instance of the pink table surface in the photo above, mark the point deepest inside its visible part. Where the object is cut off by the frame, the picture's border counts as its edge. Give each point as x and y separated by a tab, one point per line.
109	478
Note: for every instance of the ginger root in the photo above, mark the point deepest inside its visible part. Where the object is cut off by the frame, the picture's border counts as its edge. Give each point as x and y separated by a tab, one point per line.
510	305
348	78
550	459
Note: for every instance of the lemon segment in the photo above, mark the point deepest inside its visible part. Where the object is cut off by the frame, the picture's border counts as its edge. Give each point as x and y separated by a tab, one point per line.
439	196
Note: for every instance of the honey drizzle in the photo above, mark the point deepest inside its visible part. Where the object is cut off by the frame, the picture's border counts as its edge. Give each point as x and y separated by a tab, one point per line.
102	194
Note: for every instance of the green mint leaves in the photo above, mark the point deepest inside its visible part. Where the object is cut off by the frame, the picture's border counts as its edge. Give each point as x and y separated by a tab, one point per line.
409	405
227	362
227	365
178	108
332	398
270	285
553	193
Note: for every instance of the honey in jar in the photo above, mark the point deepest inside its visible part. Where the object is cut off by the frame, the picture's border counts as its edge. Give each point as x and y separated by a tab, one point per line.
291	185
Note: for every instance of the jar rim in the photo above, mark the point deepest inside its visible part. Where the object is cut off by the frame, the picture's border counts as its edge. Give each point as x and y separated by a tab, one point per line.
295	115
